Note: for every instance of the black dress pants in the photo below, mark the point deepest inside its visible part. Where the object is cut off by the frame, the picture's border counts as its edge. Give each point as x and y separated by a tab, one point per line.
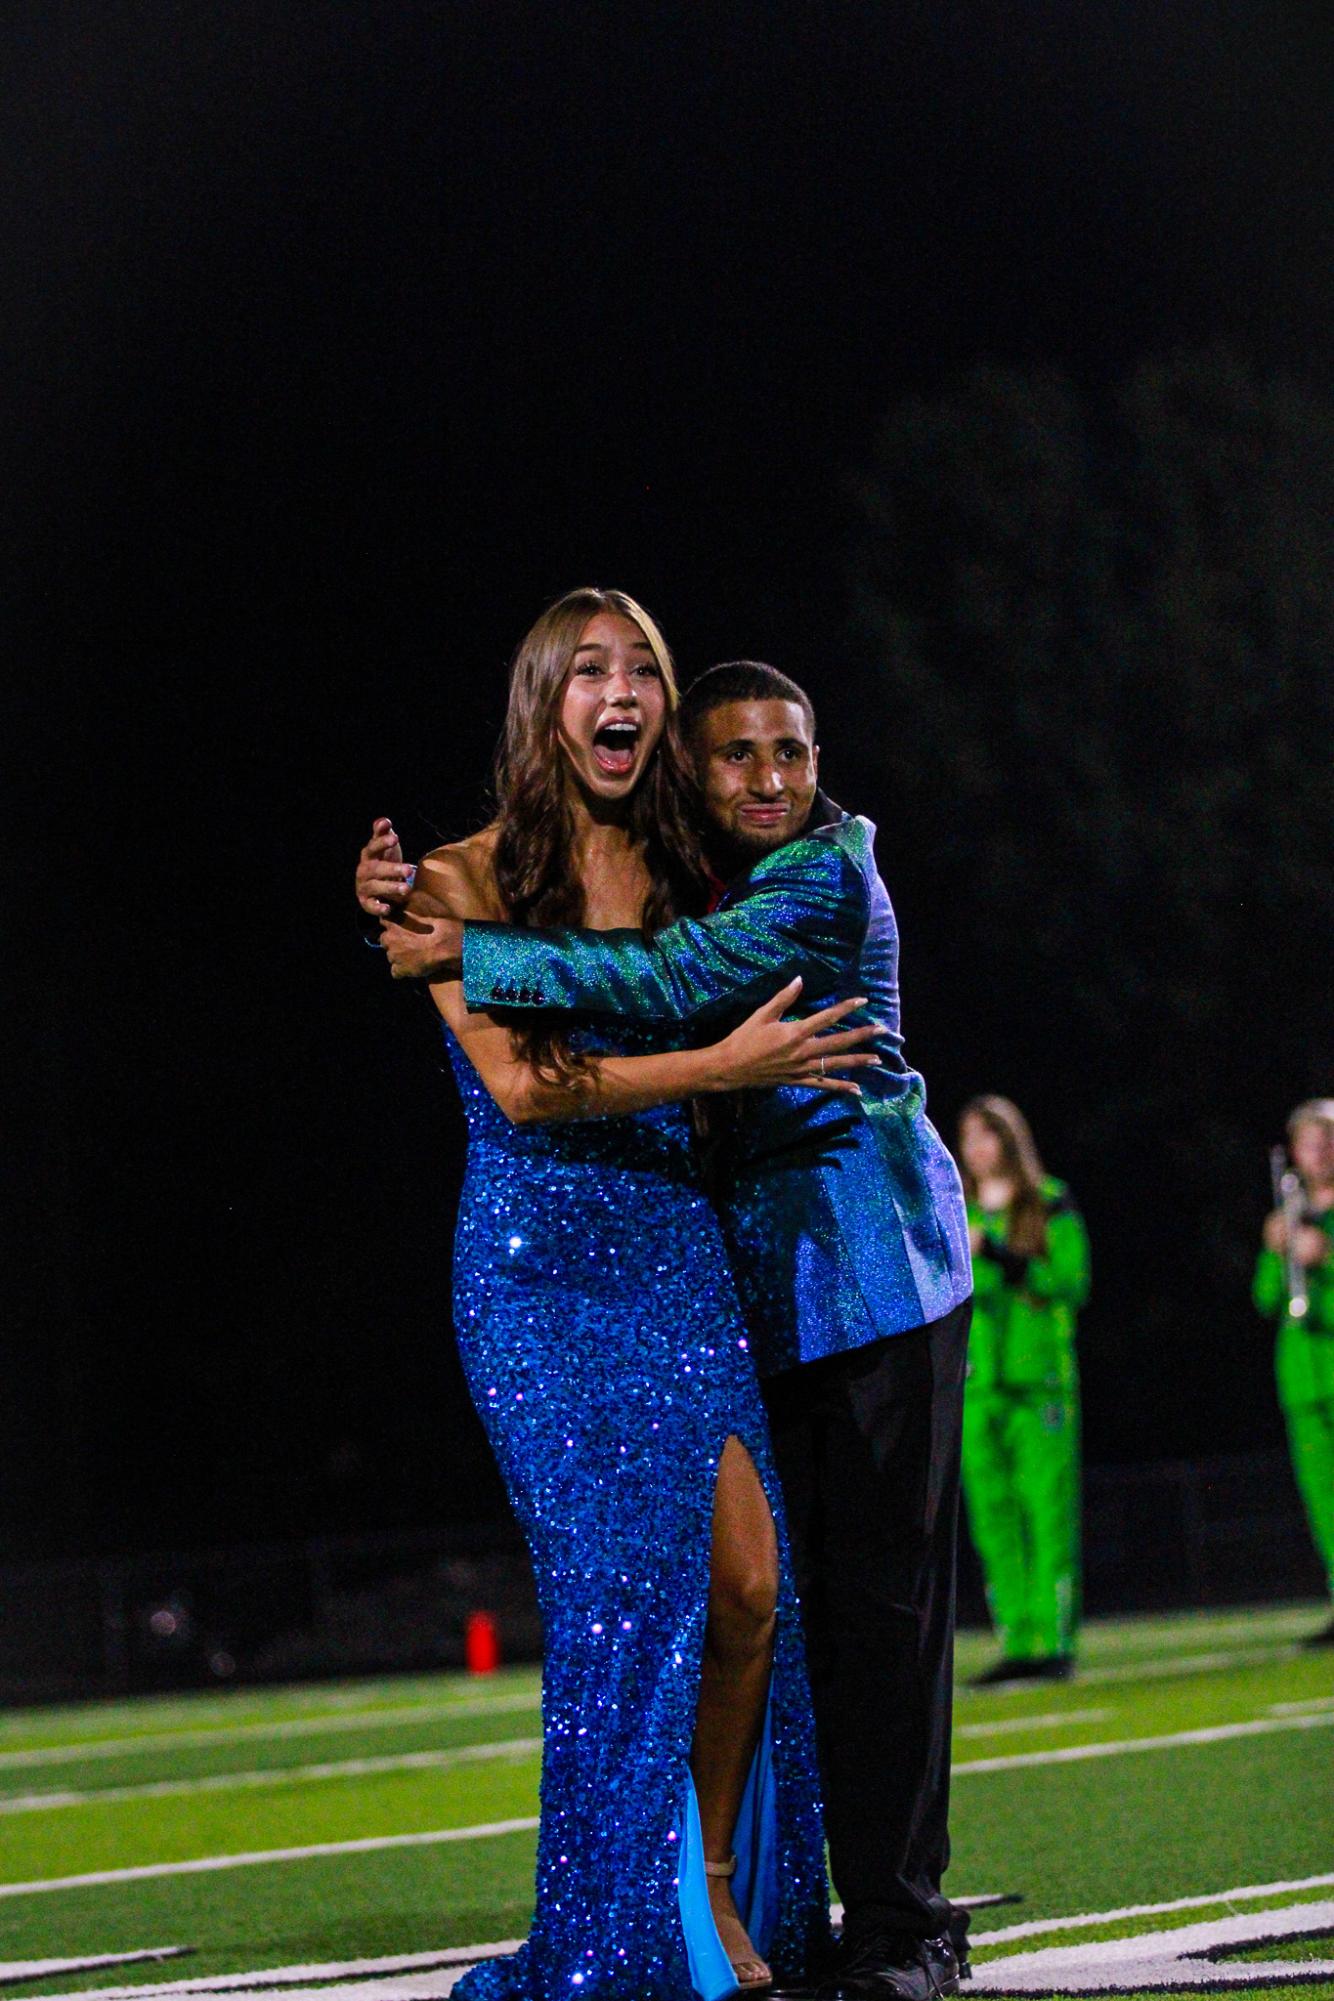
867	1447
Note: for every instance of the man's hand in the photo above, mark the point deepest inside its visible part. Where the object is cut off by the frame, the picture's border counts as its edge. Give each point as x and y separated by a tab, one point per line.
431	950
383	878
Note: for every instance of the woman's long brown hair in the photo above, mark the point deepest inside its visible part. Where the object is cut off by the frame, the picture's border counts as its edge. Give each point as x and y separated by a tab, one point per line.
1026	1231
533	856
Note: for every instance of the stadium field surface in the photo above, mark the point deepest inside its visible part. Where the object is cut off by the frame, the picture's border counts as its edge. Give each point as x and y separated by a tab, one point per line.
1164	1821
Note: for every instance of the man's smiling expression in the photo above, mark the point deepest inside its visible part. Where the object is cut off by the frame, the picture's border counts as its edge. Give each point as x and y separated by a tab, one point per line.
758	769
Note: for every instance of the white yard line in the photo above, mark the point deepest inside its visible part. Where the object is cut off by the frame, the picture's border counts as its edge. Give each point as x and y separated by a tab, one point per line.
1203	1958
1211	1663
297	1726
1147	1670
280	1775
290	1699
1249	1893
458	1956
1218	1733
321	1970
408	1761
432	1983
1014	1726
144	1872
359	1973
1066	1754
1316	1702
1152	1633
12	1971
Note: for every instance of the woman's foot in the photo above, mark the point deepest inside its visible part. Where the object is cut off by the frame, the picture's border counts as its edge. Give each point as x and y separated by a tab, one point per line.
752	1974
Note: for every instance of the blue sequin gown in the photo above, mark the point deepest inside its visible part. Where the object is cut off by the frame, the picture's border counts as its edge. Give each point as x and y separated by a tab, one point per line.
602	1341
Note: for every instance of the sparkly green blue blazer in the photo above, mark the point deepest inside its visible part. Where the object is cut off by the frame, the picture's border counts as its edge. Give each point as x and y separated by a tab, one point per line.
844	1216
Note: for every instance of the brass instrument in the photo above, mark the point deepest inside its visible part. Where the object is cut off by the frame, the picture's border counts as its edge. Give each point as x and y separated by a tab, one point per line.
1290	1199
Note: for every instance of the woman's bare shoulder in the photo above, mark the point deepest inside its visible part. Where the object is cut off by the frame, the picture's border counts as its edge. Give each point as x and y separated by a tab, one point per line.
462	876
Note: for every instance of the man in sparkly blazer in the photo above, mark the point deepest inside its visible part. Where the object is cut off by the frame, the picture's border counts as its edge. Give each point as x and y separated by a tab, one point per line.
848	1236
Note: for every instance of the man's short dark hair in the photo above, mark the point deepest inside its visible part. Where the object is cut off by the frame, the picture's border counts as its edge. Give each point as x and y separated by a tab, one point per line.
741	681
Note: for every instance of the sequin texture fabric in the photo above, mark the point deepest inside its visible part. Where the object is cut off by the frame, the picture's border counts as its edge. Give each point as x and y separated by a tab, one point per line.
846	1218
602	1342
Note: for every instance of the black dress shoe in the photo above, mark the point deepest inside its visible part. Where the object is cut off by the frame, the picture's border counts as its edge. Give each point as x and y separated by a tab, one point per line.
890	1966
947	1961
1323	1637
957	1939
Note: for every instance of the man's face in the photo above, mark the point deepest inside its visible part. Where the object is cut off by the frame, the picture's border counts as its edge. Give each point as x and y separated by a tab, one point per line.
757	768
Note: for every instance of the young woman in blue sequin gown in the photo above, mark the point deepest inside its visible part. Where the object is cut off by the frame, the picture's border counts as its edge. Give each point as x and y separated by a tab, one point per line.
603	1346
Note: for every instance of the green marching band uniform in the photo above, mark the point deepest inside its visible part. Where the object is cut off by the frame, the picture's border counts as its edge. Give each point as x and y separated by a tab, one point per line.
1304	1364
1021	1428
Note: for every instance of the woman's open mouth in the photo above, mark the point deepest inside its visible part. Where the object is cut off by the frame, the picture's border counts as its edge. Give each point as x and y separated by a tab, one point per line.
614	748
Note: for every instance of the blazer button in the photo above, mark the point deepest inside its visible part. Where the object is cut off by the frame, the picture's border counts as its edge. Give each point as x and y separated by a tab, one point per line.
538	996
497	992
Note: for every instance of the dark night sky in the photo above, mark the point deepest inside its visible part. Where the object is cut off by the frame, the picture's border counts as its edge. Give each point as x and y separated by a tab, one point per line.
340	337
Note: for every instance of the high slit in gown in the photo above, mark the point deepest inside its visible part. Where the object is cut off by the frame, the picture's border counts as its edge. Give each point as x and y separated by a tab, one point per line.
603	1346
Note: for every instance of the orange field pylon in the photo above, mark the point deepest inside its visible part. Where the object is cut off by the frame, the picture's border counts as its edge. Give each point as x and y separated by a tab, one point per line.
481	1643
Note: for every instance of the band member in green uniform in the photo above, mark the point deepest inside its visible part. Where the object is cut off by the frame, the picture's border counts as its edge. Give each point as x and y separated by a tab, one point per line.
1294	1284
1021	1405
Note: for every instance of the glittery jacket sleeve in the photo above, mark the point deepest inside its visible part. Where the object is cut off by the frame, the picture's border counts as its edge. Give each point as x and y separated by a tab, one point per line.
801	910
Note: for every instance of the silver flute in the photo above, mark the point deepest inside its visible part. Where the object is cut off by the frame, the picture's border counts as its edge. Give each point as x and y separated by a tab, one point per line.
1290	1199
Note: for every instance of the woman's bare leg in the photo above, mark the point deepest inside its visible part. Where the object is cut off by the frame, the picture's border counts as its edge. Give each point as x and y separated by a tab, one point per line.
734	1677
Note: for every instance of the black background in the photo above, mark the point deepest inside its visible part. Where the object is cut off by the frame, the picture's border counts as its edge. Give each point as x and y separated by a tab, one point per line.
340	338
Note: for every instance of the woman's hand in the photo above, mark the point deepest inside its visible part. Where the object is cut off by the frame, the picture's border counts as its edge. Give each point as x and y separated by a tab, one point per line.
766	1050
383	877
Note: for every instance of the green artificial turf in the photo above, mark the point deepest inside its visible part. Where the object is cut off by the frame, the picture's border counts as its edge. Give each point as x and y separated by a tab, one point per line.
1072	1837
